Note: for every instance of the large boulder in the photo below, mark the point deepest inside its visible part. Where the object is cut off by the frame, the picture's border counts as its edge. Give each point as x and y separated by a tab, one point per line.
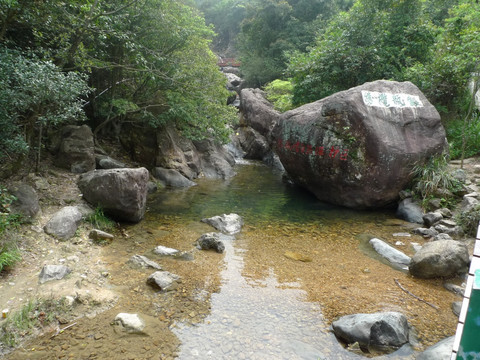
442	258
440	351
379	330
121	193
173	178
254	145
357	148
26	201
77	150
64	223
257	112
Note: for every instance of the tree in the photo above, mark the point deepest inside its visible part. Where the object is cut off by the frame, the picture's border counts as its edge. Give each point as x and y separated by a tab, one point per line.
374	40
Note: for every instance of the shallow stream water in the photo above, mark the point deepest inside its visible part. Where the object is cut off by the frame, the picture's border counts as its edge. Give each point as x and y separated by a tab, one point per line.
253	301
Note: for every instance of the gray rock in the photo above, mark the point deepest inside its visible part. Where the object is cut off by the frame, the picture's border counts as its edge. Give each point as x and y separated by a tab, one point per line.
443	258
455	231
53	272
171	177
410	211
130	323
163	280
442	236
96	234
456	289
143	262
446	213
26	202
76	150
230	224
426	233
165	251
121	193
440	351
457	307
257	112
64	223
468	204
389	252
365	139
379	330
253	144
211	241
151	187
106	162
431	218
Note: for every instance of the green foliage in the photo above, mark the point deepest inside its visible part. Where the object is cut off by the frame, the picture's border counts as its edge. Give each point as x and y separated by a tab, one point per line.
444	76
279	92
9	252
455	130
469	220
433	178
100	221
34	93
373	40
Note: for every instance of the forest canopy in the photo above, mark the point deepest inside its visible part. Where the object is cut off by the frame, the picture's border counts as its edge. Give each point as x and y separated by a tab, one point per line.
141	61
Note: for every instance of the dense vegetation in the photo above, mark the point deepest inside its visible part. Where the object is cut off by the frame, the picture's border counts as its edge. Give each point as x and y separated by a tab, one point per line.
322	47
141	61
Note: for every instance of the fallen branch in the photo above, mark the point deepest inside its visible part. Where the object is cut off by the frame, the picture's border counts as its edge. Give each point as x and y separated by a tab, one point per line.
415	296
59	331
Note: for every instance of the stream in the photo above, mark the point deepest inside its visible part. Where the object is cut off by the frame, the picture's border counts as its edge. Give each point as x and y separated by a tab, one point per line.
252	301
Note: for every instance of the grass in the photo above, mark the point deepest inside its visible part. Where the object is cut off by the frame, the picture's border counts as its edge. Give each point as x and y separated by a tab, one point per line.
9	253
100	221
433	178
32	316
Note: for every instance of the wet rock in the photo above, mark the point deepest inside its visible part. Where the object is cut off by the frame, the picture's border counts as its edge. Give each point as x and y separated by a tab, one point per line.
64	223
76	149
165	251
365	139
121	193
143	262
96	234
163	280
171	177
410	211
254	145
389	252
151	187
297	256
130	323
426	232
26	202
379	330
440	351
457	307
230	224
431	218
53	272
211	241
456	289
443	258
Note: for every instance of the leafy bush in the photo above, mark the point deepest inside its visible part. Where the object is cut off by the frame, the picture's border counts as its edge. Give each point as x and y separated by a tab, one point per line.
9	253
280	93
469	220
454	131
433	178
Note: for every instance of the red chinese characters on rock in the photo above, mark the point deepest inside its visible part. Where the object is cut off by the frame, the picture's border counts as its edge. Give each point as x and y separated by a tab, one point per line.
312	150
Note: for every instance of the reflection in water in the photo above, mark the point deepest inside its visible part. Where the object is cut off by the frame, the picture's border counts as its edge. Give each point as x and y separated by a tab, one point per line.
257	320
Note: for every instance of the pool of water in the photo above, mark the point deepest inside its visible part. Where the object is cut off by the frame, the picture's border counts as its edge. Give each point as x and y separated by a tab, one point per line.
253	301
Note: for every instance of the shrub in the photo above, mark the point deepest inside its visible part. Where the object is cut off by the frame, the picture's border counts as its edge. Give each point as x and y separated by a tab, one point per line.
280	93
454	129
9	253
433	178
